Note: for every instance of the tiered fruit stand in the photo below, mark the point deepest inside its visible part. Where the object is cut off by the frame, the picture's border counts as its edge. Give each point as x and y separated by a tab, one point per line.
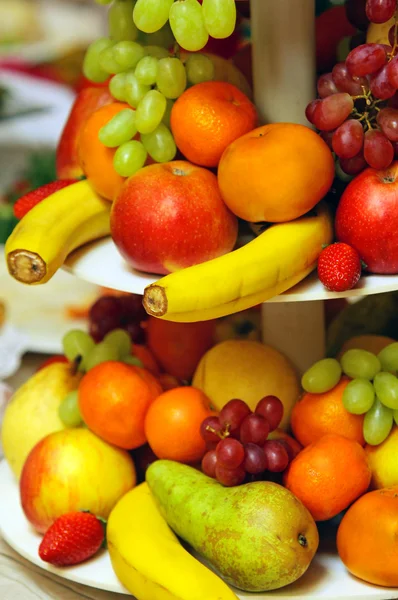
284	76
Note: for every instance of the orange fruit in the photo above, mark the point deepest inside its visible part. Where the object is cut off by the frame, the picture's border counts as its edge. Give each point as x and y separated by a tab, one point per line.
275	173
329	475
367	539
96	160
207	118
172	424
114	399
315	415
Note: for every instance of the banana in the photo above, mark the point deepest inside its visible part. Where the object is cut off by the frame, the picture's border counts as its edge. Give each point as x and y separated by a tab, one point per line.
52	229
149	560
267	266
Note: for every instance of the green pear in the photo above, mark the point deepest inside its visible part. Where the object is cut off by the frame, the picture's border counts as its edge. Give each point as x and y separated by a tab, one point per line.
33	412
257	536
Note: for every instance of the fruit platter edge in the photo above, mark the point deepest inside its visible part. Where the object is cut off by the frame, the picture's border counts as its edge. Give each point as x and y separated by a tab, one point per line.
100	263
326	577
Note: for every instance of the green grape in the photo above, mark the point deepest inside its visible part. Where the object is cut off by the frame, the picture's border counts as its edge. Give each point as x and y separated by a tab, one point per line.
171	79
108	62
199	68
121	23
151	15
120	129
386	386
322	376
219	17
150	111
360	364
120	339
134	90
160	144
132	360
396	417
164	37
147	69
388	357
156	52
187	25
128	54
77	344
167	115
129	158
102	352
91	64
358	396
117	86
69	412
377	424
103	2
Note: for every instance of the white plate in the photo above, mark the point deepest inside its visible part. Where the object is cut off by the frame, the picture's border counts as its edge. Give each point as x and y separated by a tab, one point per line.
102	264
326	578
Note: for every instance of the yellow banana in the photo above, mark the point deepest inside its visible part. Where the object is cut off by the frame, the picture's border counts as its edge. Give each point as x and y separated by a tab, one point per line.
269	265
52	229
149	560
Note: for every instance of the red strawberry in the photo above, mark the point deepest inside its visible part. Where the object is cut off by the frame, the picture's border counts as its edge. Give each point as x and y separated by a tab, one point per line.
29	200
71	539
339	267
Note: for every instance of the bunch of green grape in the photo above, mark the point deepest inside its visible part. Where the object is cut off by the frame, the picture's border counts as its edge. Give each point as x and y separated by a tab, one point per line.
191	21
372	391
149	79
81	350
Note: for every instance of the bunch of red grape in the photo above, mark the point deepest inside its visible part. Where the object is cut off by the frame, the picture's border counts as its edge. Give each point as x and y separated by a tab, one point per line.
357	108
237	442
118	312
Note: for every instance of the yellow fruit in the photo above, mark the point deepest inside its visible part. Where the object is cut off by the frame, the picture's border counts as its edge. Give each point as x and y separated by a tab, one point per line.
249	371
378	32
371	343
148	558
33	412
383	462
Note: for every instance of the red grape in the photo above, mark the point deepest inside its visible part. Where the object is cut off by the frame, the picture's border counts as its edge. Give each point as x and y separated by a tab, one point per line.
387	120
309	111
326	86
327	137
366	59
271	408
232	414
230	453
106	306
255	461
346	83
137	333
380	84
230	477
99	329
392	35
353	166
380	11
211	436
378	150
132	308
277	456
356	14
392	72
254	429
209	464
332	111
348	139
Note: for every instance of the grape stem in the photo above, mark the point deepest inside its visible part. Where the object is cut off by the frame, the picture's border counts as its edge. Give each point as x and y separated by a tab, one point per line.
221	434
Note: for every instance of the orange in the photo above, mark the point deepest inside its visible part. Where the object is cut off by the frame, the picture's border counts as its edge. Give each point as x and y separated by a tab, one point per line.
172	424
96	160
317	414
367	539
178	347
208	117
329	475
114	399
275	173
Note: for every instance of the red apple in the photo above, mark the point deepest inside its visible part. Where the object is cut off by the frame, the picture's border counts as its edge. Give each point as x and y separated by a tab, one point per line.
73	470
171	216
87	101
367	218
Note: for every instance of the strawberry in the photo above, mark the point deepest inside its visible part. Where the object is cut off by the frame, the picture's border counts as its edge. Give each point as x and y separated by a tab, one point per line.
339	267
72	539
29	200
